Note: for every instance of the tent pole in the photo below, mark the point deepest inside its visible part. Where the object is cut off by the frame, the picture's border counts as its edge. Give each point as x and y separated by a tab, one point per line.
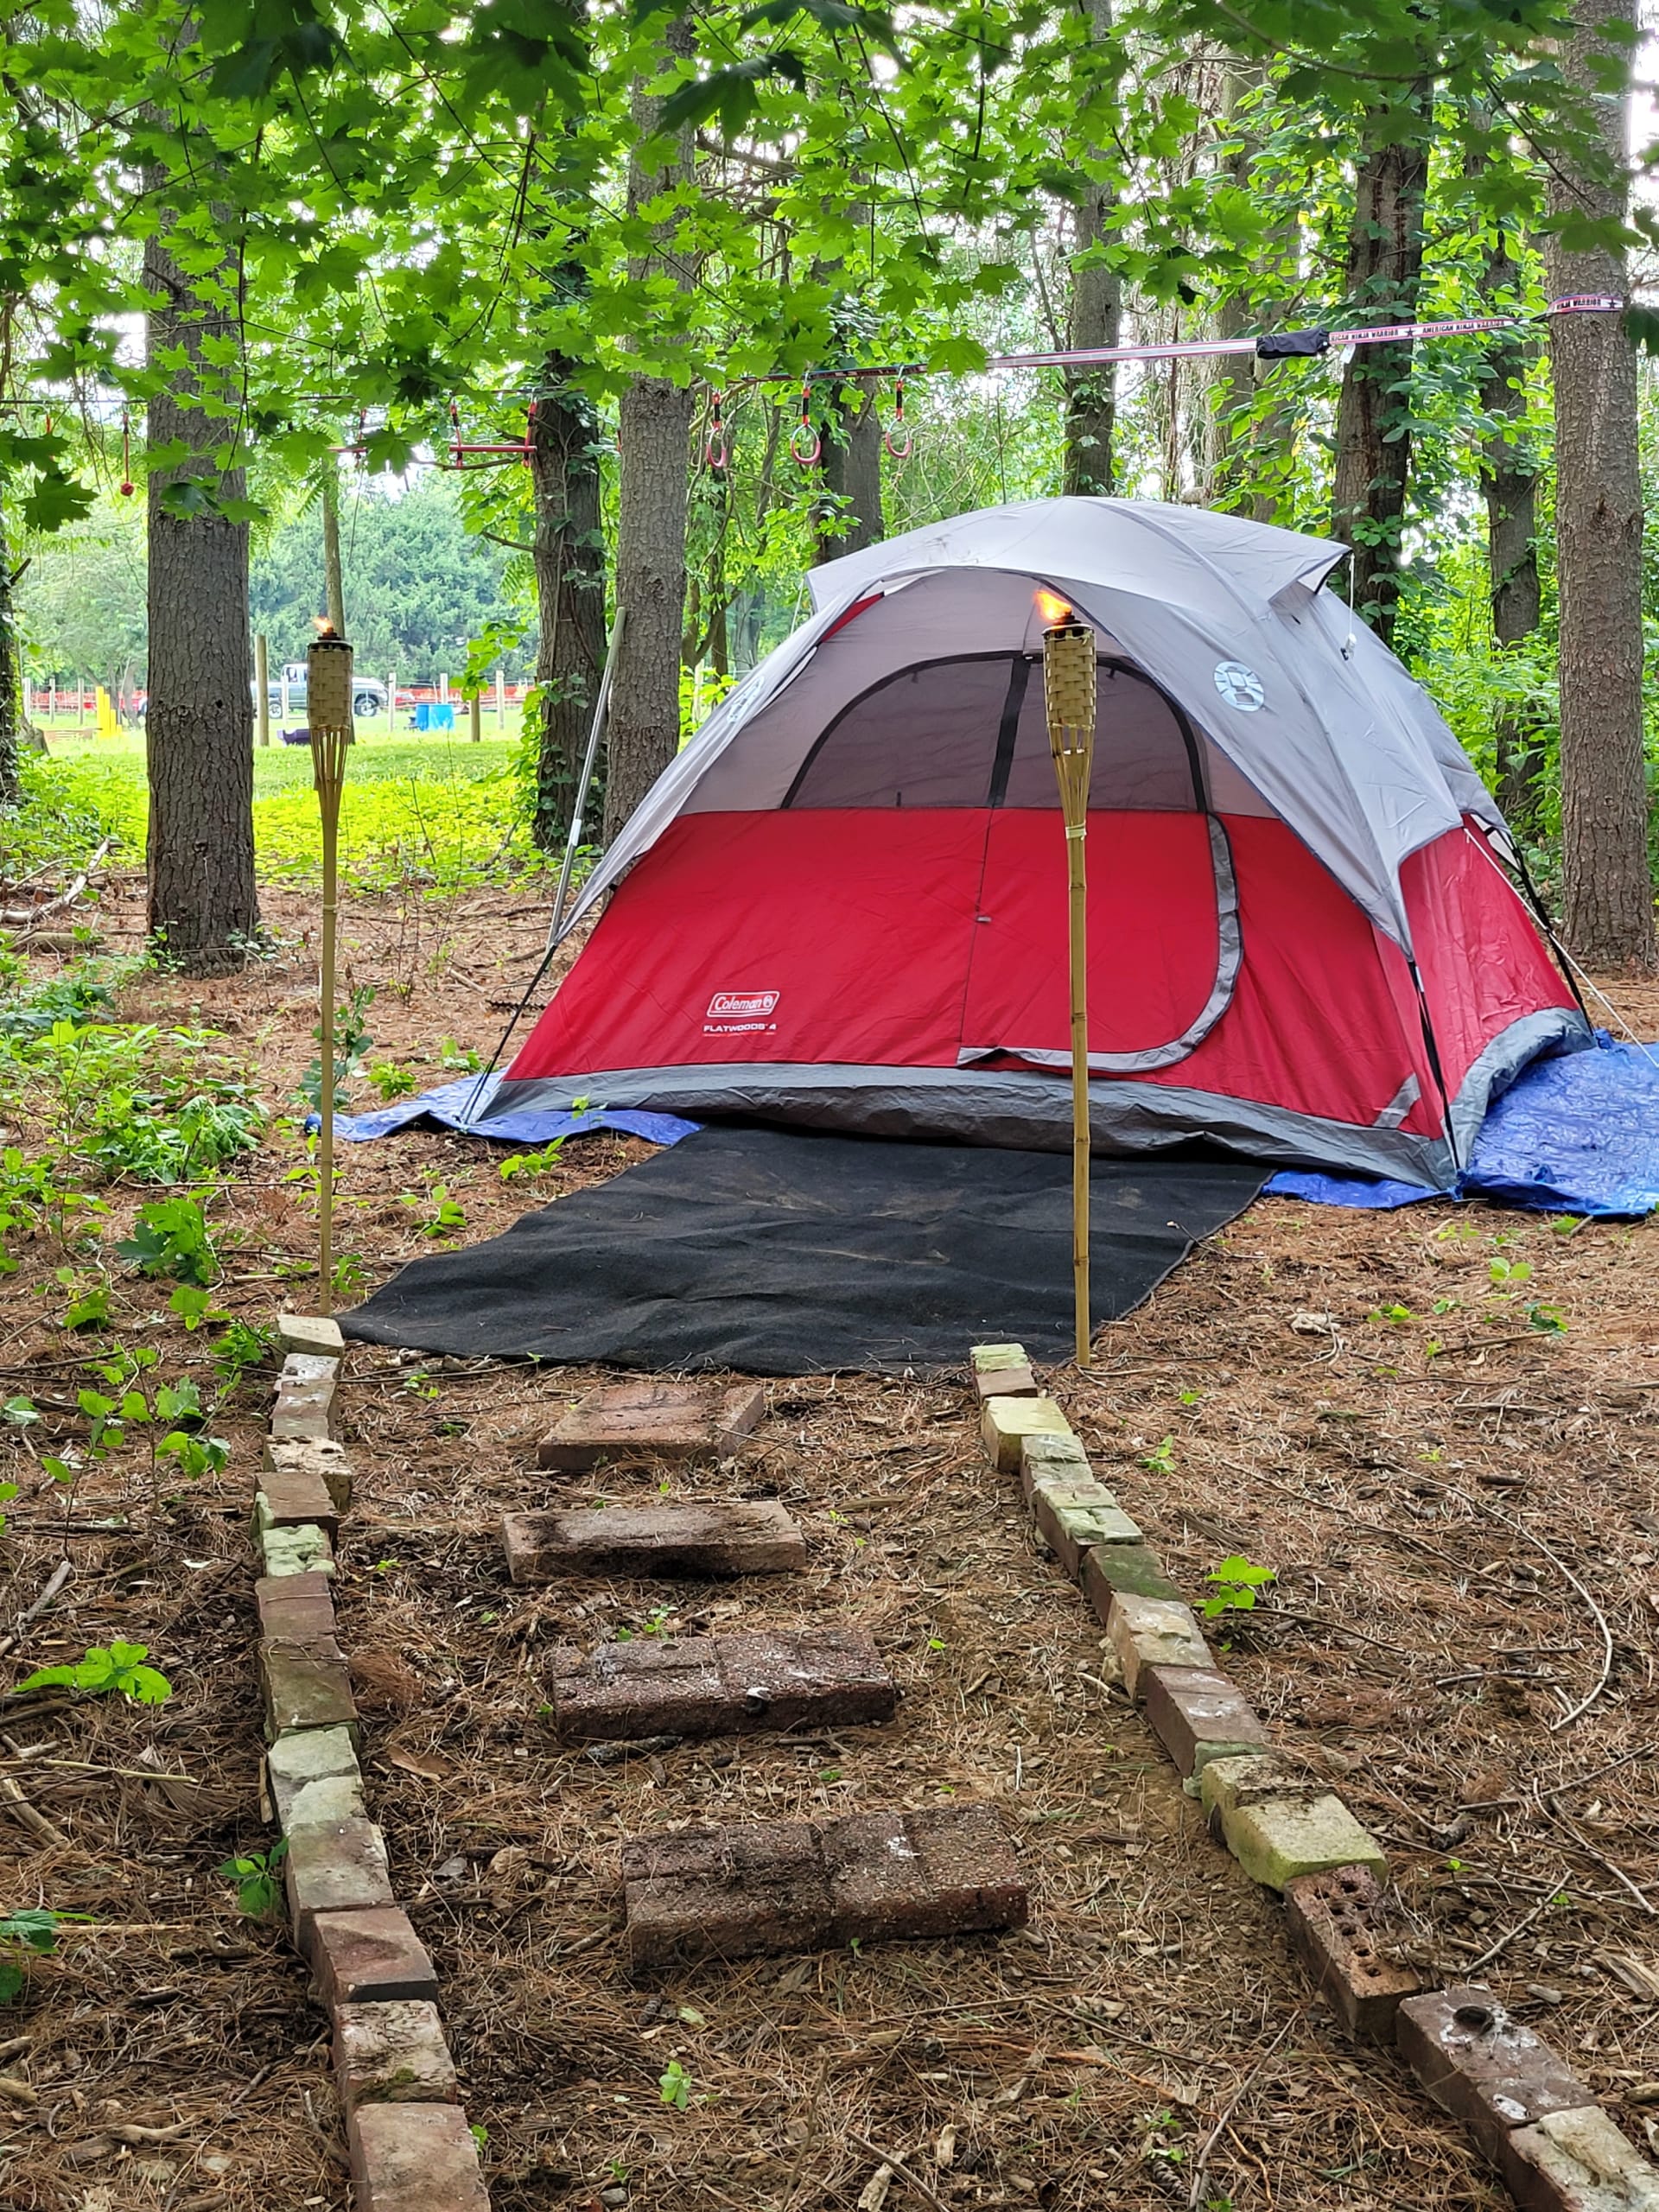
1068	680
602	713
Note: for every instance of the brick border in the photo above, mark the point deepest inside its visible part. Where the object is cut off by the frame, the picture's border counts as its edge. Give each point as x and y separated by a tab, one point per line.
1533	2120
410	2147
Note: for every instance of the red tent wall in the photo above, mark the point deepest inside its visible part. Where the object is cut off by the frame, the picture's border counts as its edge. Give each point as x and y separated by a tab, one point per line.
896	939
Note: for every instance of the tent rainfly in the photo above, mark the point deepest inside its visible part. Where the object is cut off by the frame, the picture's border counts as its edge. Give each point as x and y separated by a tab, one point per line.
844	903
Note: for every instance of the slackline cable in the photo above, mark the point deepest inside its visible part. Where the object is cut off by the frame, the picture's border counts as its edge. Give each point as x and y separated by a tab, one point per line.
1266	345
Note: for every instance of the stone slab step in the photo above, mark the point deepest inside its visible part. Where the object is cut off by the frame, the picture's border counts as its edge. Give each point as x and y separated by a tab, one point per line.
802	1885
719	1685
652	1419
751	1538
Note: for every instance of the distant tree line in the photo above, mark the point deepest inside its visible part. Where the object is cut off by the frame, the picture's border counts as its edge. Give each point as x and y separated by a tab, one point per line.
418	585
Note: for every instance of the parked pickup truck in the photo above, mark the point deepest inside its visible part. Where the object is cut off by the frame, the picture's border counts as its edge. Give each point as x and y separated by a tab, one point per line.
368	693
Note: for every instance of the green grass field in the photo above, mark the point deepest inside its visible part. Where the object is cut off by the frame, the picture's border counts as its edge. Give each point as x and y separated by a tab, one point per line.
434	810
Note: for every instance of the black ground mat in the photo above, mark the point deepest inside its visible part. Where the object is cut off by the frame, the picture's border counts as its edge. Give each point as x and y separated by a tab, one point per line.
790	1252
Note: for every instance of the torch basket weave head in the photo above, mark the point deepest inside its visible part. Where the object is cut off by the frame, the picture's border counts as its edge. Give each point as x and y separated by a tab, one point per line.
1069	695
328	710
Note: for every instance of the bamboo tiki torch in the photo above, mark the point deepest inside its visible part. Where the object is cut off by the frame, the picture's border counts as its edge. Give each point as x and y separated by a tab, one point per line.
1069	689
328	710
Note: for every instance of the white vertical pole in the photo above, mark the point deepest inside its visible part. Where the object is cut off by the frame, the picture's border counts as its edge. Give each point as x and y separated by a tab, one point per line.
500	700
284	704
443	691
262	688
391	704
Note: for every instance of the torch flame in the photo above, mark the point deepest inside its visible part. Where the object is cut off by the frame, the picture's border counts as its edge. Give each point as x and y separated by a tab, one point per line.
323	627
1051	609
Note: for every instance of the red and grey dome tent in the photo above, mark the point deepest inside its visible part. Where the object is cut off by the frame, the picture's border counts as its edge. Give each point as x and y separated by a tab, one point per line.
844	903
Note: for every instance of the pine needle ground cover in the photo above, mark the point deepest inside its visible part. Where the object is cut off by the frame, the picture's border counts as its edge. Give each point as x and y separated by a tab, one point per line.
1394	1432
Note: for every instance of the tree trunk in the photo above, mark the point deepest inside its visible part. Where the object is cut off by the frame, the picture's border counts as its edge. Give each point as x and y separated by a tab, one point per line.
1382	281
1509	480
333	585
849	516
1608	889
654	439
1095	319
12	789
569	546
204	906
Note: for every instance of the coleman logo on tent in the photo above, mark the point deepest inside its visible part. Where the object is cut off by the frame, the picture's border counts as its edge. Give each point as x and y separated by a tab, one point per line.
1239	686
729	1010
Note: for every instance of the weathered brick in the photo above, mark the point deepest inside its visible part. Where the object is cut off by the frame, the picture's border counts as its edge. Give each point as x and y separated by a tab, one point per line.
311	1333
1134	1568
757	1538
1007	1383
1482	2066
414	2158
295	1608
1576	2162
321	1804
790	1885
304	1550
372	1957
937	1871
300	1369
1197	1715
1279	1838
306	1687
294	1499
392	2054
317	1455
336	1866
988	1358
1046	1457
668	1686
1342	1926
811	1678
1071	1522
1153	1632
305	1397
709	1686
299	1762
1250	1779
1004	1422
725	1892
652	1419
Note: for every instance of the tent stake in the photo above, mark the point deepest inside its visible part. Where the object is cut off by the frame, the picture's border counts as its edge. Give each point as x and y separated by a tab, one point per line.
328	710
1069	688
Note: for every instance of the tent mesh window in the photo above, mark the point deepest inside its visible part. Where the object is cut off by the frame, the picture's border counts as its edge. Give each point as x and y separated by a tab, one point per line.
971	731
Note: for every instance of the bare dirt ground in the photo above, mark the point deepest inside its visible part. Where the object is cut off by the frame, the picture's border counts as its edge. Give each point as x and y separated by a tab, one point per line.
1462	1628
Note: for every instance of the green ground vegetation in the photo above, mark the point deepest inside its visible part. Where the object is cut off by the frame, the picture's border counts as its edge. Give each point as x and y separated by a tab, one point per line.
434	810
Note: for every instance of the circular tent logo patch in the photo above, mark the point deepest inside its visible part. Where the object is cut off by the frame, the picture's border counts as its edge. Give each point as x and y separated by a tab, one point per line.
1239	686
